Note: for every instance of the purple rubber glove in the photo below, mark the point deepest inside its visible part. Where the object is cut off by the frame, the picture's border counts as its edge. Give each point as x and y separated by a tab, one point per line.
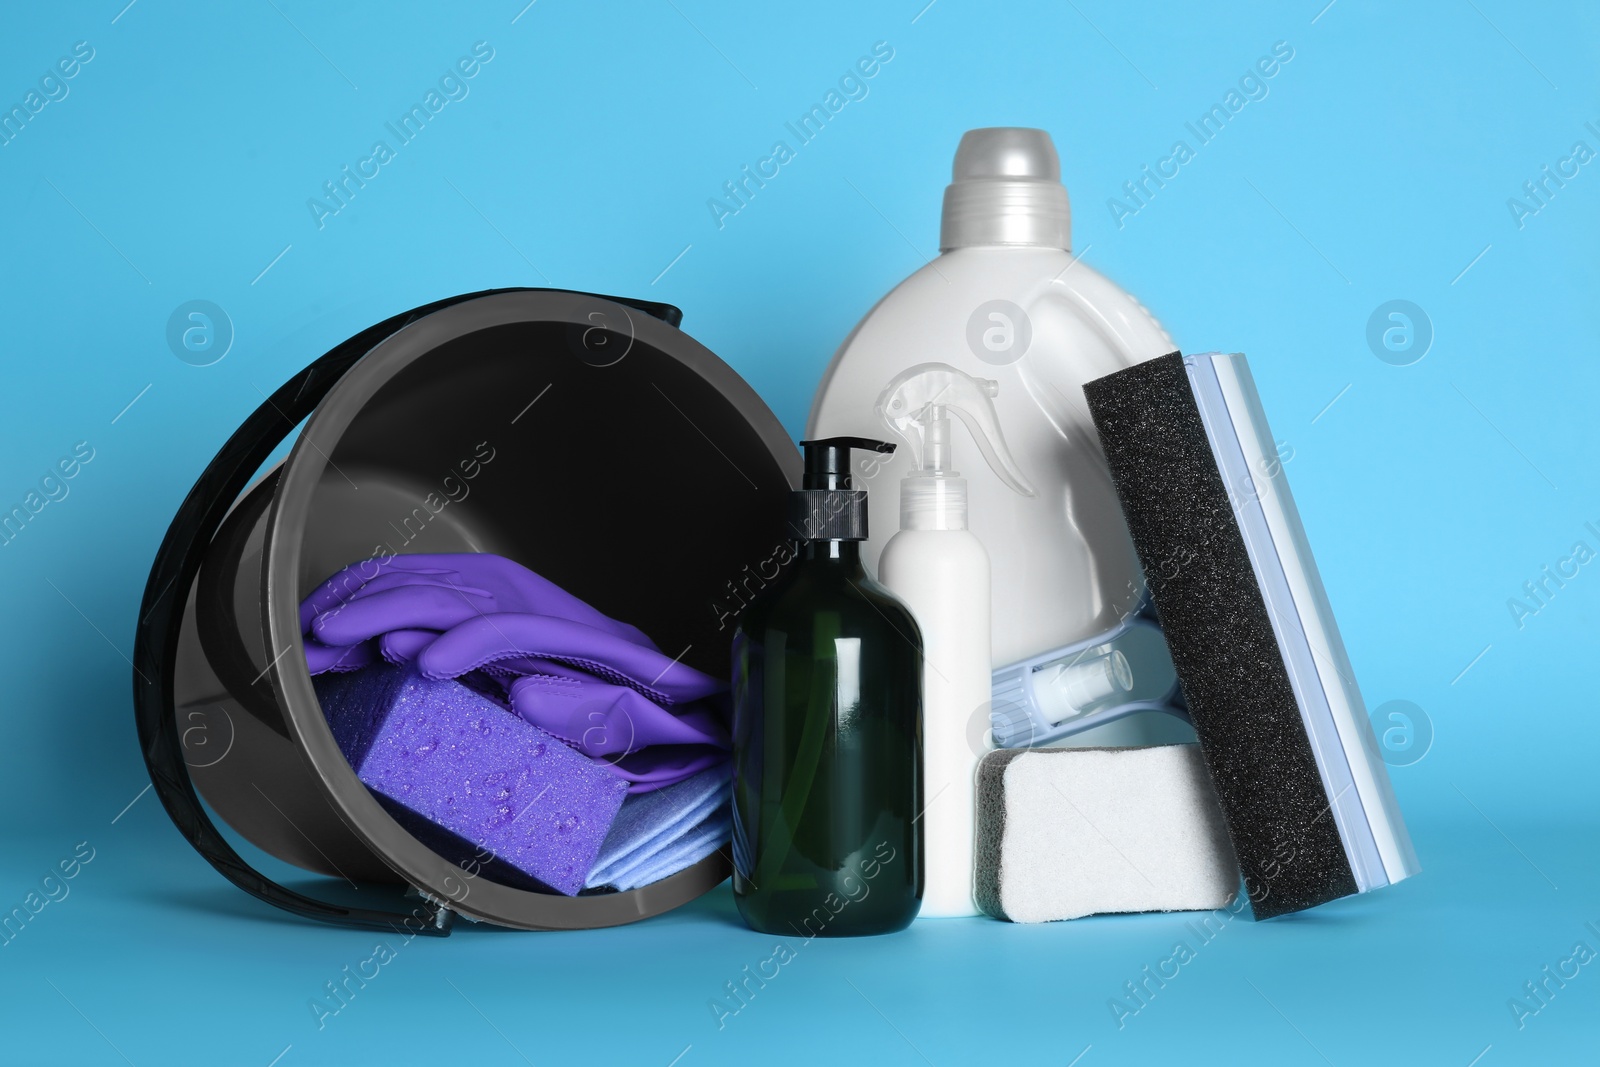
644	714
663	765
433	592
321	658
607	720
598	684
638	740
402	646
502	640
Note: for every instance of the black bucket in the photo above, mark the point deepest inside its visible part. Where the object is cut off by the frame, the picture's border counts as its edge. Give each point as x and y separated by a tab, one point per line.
585	437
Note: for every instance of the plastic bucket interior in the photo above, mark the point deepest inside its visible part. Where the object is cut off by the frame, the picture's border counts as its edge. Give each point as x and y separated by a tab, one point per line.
585	437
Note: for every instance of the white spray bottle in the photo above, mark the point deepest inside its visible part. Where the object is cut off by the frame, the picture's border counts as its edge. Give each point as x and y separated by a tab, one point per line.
941	572
1008	300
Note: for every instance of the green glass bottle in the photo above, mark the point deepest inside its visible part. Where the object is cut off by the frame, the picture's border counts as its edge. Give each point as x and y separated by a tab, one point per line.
827	723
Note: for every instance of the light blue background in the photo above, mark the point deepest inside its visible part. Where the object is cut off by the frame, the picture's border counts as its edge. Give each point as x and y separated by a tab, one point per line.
1378	168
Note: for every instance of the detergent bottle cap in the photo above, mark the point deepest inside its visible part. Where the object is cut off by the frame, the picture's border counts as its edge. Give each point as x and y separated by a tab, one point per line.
917	405
827	507
1006	190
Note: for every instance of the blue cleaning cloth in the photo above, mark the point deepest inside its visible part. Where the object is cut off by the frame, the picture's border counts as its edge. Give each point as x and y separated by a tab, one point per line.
683	853
650	827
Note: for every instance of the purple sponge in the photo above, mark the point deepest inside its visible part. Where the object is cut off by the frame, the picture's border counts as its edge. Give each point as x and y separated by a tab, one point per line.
449	755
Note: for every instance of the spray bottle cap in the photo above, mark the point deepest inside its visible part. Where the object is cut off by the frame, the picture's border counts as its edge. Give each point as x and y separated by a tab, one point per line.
917	405
826	508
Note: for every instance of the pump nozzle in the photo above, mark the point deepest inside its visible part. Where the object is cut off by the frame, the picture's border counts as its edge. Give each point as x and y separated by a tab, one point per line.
915	405
827	508
827	461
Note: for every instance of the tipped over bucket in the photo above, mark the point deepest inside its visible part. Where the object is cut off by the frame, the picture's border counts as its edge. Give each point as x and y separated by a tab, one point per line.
584	437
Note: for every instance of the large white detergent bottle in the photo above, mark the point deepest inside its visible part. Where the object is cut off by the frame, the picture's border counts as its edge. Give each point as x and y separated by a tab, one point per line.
1006	300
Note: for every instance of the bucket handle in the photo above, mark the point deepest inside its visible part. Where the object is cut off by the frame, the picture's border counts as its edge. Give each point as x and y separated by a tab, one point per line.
176	567
220	637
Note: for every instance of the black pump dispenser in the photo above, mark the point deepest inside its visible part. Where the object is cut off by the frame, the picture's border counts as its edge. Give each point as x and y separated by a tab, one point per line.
827	508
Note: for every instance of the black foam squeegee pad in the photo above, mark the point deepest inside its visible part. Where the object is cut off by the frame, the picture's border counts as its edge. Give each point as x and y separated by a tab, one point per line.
1229	663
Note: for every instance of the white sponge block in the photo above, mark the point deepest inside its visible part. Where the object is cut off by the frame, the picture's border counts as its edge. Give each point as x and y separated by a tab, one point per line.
1069	832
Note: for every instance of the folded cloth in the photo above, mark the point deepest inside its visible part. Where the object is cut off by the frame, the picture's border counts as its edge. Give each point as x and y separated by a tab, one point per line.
650	824
682	854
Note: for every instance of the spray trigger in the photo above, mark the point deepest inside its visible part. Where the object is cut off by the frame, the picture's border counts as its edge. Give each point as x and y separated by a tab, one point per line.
915	405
